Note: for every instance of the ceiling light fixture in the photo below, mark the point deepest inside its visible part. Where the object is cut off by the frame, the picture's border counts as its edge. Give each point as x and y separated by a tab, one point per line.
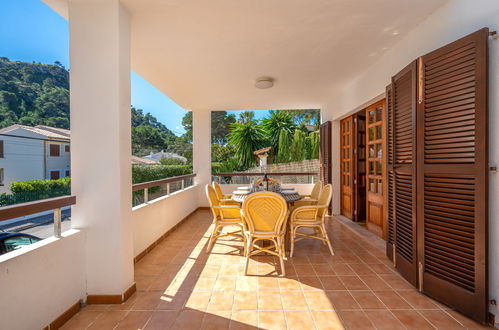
264	82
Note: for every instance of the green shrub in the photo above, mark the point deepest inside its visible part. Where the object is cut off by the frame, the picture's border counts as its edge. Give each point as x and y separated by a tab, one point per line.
20	187
145	173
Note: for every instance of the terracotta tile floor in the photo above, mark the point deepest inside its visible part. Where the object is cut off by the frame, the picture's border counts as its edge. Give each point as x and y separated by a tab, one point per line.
179	286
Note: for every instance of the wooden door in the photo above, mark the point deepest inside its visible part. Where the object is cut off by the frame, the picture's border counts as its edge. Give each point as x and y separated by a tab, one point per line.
403	199
347	167
452	174
375	160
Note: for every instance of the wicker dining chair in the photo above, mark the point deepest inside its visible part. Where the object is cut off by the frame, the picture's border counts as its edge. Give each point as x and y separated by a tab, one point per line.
265	215
312	216
224	215
312	198
224	199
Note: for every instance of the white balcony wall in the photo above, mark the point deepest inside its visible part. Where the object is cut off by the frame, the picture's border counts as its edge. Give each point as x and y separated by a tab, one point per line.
41	281
452	21
152	220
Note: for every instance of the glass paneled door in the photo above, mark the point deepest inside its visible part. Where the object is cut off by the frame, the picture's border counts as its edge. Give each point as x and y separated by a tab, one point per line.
375	155
347	167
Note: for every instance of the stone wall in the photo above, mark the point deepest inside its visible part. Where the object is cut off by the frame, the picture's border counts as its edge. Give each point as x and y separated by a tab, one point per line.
309	165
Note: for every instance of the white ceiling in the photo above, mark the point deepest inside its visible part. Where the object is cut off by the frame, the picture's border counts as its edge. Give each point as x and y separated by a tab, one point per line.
207	54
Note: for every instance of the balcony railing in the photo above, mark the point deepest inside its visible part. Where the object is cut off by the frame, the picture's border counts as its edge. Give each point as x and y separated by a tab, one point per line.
145	192
284	177
24	209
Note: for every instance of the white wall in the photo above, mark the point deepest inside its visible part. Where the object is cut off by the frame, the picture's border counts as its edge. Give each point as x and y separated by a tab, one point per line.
452	21
41	281
23	160
152	220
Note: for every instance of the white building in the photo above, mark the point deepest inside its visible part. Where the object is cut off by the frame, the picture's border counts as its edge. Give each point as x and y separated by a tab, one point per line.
165	155
30	153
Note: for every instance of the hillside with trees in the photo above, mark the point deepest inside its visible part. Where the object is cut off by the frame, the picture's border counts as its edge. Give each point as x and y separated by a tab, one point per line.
38	94
33	94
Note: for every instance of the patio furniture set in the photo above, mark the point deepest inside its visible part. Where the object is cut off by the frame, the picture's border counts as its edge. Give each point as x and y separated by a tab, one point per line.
265	212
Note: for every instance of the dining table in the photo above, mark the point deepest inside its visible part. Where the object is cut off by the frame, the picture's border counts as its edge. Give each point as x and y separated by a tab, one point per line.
290	195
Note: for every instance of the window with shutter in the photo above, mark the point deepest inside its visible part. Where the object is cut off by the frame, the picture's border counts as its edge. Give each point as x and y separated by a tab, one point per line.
54	150
452	174
55	174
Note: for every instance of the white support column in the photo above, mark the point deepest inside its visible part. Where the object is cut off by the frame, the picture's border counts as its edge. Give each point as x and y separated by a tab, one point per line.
201	153
327	114
101	141
335	166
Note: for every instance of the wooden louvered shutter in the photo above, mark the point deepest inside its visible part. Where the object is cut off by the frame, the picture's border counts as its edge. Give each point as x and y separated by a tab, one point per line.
1	149
389	201
325	154
404	171
452	174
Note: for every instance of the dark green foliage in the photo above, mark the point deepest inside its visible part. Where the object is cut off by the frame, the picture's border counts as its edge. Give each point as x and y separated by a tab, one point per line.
313	145
19	187
306	117
298	145
221	153
245	117
279	121
149	135
28	191
247	138
33	94
220	126
145	173
284	147
33	196
187	123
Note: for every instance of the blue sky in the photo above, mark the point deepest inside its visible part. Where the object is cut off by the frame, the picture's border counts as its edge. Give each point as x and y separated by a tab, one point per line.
31	31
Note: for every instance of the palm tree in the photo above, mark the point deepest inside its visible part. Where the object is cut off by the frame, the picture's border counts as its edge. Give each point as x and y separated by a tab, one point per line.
279	121
246	117
246	138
